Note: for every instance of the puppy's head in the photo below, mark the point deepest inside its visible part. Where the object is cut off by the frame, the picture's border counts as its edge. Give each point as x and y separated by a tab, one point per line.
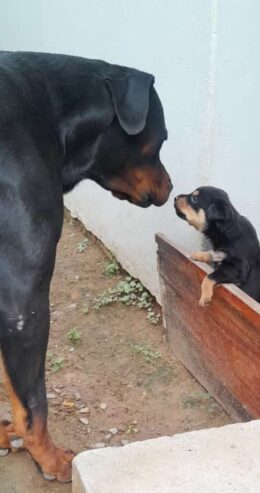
203	207
127	160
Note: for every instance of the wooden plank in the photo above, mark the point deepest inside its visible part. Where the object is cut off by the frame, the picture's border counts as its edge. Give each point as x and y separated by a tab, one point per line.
218	344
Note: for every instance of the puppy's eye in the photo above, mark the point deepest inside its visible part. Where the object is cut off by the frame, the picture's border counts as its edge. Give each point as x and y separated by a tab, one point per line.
194	199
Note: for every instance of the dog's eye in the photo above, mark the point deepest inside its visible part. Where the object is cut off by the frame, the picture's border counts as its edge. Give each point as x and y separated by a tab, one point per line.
194	199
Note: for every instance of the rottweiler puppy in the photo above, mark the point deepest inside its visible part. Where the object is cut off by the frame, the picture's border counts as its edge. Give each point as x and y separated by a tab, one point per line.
235	246
62	119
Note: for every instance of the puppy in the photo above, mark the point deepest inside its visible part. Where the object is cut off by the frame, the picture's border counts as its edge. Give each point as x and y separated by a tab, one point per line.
235	246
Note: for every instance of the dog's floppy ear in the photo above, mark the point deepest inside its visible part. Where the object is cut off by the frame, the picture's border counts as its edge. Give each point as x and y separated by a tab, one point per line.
130	95
216	211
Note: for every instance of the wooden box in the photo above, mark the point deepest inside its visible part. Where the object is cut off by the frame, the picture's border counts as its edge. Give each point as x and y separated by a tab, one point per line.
218	344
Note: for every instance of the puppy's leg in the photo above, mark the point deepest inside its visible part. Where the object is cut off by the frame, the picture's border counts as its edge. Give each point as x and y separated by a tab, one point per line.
24	364
228	272
207	288
206	257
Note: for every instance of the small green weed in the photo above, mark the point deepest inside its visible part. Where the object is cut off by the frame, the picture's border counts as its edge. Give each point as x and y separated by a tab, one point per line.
148	354
153	317
82	245
131	428
128	291
74	335
111	269
104	299
57	364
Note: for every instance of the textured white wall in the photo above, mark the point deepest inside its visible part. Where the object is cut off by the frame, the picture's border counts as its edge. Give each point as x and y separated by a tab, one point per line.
205	56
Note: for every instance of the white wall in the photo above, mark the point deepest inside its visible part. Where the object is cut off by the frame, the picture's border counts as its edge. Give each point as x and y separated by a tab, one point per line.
205	55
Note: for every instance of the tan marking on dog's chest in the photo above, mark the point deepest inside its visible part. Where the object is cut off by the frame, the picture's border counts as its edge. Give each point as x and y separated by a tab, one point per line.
196	219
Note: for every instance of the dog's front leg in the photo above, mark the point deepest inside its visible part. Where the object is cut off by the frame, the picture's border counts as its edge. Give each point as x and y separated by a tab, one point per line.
206	257
207	288
24	364
229	272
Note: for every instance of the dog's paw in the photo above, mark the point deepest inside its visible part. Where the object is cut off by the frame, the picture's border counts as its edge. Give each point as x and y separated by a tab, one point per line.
62	470
207	289
195	256
202	256
9	441
204	301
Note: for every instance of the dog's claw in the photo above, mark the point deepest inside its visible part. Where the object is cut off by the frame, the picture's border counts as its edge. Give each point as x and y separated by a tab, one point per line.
204	302
52	477
4	452
64	480
49	477
16	442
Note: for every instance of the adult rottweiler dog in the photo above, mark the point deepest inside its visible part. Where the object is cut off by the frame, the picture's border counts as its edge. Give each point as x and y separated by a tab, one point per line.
236	249
62	119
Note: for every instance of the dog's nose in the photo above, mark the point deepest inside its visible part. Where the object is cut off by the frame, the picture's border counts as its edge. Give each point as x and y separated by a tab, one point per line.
148	198
176	198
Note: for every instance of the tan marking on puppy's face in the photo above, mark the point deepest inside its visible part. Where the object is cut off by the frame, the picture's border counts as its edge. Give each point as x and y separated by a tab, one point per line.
197	219
195	193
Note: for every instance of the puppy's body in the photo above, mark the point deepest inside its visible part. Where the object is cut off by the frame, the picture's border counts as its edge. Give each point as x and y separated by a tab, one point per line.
235	246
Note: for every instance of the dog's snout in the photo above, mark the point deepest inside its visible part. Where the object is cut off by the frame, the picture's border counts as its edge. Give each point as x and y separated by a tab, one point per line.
180	201
148	198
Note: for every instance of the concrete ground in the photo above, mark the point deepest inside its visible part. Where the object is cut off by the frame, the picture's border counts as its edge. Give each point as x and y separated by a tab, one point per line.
217	460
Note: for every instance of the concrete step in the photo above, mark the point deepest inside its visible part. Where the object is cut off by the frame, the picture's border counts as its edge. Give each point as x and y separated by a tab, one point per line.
217	460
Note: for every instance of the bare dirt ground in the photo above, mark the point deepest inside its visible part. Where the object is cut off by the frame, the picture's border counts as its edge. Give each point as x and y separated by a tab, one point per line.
113	378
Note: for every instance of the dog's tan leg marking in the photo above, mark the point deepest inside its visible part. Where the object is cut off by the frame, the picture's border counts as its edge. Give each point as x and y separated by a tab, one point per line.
207	288
202	256
54	462
4	438
9	441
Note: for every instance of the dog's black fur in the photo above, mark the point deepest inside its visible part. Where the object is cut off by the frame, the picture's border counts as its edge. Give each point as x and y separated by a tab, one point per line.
230	233
62	119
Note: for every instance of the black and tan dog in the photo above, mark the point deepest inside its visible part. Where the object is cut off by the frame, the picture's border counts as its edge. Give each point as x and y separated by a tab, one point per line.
236	249
62	119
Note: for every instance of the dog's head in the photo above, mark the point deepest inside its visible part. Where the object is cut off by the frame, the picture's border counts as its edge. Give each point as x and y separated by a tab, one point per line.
131	130
203	207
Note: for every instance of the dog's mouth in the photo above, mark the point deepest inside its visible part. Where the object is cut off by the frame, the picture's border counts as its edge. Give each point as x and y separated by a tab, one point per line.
141	188
142	202
178	209
121	195
197	219
180	214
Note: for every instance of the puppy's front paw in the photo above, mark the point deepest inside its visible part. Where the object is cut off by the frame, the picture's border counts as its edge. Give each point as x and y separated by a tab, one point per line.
201	256
195	256
207	288
204	301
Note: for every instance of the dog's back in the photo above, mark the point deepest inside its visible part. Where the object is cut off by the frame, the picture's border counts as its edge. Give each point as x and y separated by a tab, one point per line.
246	245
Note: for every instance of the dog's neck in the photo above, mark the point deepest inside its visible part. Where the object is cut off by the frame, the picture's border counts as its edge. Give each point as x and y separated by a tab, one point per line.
221	233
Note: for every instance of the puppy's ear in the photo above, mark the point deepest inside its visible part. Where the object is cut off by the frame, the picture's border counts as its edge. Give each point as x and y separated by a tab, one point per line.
216	212
130	96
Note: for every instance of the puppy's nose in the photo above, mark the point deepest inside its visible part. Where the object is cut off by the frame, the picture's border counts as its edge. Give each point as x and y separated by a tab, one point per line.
176	198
